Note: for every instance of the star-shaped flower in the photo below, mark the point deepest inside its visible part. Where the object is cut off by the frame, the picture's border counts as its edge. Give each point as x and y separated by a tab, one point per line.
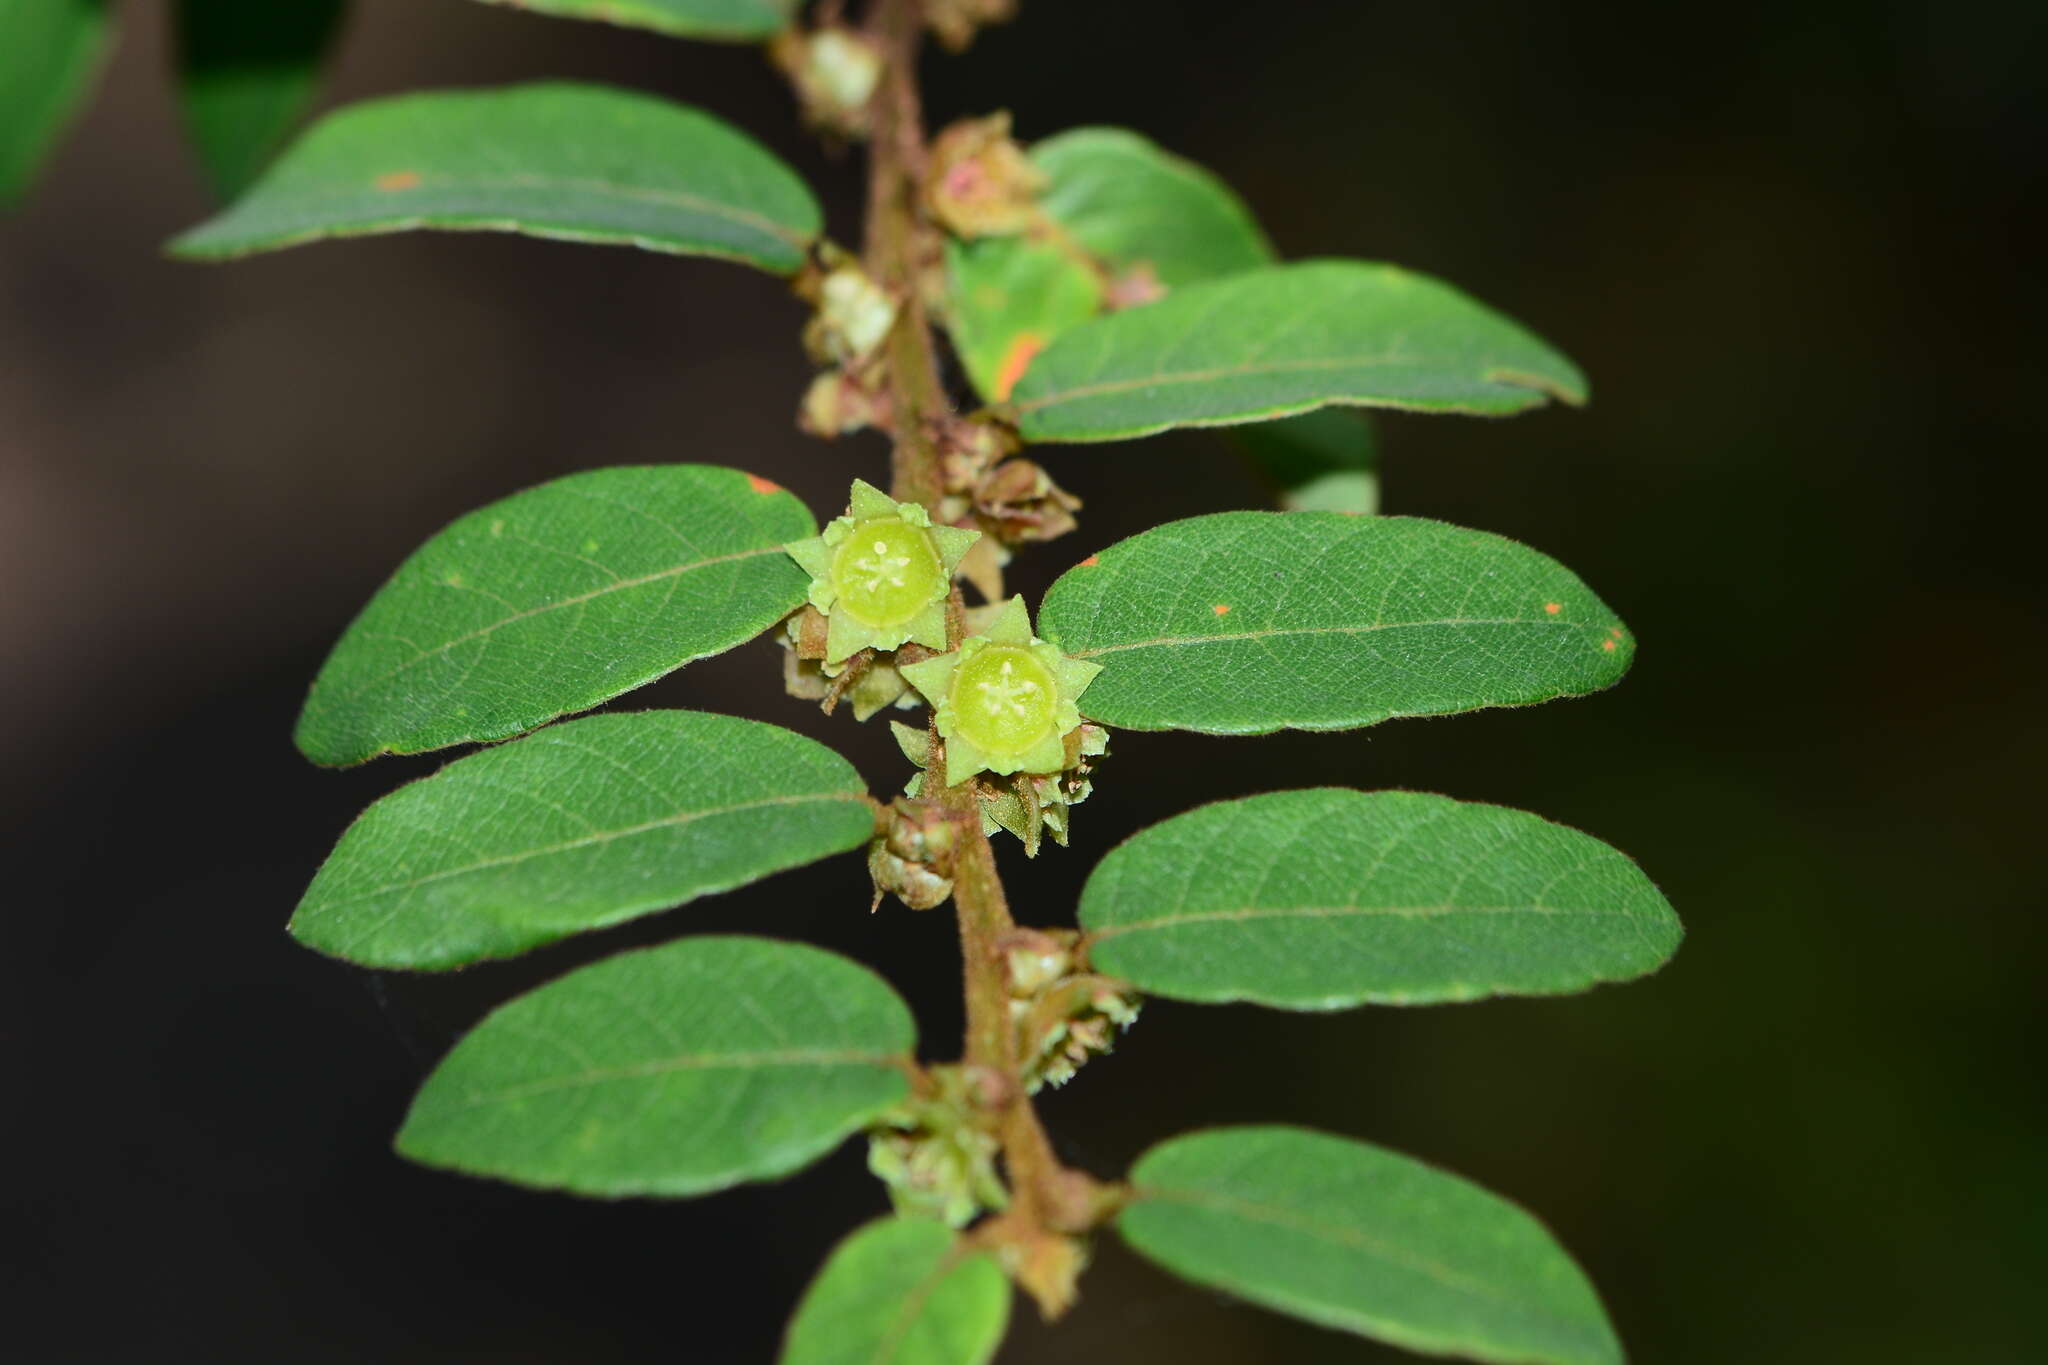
1004	701
881	574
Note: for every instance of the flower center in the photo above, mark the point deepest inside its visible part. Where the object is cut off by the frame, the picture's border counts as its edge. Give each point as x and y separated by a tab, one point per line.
1004	700
886	572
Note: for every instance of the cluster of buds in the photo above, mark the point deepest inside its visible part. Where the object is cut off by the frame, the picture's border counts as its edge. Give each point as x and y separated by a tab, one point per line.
1063	1014
936	1153
1028	805
851	317
834	71
1017	501
1010	501
912	858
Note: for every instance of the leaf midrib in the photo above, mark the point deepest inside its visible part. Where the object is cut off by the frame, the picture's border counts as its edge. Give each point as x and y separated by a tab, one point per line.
1340	1236
597	837
697	1061
914	1304
681	199
1271	632
1208	376
1257	912
622	585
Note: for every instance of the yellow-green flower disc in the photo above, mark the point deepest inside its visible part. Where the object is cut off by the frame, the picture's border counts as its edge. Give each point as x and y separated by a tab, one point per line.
881	574
885	572
1005	701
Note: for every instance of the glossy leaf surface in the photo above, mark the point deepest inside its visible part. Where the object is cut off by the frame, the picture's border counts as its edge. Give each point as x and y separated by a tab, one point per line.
554	600
50	50
728	20
1329	898
582	163
901	1291
1364	1240
670	1071
247	70
583	825
1247	622
1286	339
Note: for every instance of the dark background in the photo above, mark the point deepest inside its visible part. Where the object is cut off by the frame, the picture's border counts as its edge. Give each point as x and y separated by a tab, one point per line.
1789	242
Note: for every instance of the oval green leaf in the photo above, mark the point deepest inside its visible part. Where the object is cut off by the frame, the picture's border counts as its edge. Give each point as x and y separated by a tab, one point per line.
1324	899
901	1291
1128	201
49	52
247	70
1242	623
736	21
1364	1240
671	1071
555	600
580	163
581	826
1286	339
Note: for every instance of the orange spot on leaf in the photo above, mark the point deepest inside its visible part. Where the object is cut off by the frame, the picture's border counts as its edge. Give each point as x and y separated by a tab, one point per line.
1016	360
1090	562
1553	607
398	180
1607	645
761	485
1221	609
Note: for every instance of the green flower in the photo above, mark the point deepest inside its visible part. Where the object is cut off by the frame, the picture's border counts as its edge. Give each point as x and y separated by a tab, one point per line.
881	574
1005	700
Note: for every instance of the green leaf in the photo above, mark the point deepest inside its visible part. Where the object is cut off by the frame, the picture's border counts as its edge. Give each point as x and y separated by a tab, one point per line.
735	21
248	69
1364	1240
49	52
1242	623
672	1071
1008	298
901	1291
555	600
581	163
581	826
1324	899
1321	461
1127	201
1111	196
1286	339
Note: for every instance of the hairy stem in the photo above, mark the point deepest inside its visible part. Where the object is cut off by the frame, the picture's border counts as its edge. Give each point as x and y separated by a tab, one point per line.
900	242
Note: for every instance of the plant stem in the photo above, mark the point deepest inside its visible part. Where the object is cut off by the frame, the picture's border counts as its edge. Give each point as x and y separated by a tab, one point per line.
900	242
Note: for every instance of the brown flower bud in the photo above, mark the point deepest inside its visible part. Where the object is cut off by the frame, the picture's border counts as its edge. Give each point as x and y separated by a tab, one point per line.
980	183
1018	501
